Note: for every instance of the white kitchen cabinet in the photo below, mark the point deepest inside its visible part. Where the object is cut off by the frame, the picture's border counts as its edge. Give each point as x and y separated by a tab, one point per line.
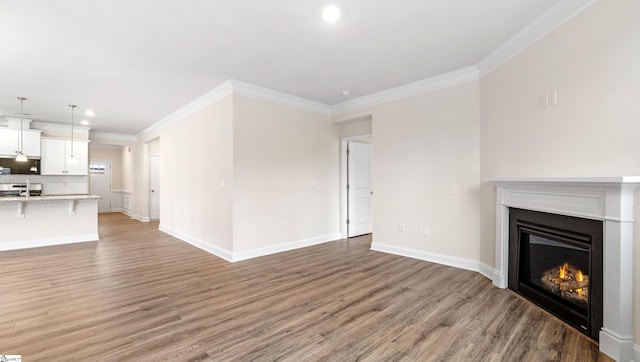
55	153
9	142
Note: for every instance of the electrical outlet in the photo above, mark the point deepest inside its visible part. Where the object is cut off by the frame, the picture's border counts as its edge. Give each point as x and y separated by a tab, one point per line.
401	228
553	98
424	230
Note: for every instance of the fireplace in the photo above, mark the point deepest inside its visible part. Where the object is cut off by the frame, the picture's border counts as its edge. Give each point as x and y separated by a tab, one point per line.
608	200
556	262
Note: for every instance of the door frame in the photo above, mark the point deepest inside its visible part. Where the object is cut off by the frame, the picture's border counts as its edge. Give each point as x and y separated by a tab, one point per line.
344	197
151	155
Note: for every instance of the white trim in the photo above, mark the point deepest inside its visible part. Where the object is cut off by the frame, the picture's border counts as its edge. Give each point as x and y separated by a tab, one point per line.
552	18
149	191
204	100
486	270
445	80
109	146
636	352
211	249
117	137
620	348
121	201
46	126
124	192
139	218
126	212
62	240
279	248
270	95
448	260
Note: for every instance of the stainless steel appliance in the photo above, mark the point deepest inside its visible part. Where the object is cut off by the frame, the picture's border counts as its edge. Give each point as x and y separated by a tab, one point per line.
20	189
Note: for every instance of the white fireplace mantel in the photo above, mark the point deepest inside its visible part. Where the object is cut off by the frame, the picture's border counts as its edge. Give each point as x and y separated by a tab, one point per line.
609	199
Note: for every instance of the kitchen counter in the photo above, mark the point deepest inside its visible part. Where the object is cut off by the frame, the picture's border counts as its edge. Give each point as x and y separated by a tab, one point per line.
47	220
13	199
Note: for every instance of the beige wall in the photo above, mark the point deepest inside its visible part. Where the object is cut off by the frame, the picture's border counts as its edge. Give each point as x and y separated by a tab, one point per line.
592	61
197	156
286	175
113	154
128	171
425	147
154	146
355	127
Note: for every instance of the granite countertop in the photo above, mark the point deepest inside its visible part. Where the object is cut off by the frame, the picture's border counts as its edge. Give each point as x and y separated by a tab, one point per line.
49	198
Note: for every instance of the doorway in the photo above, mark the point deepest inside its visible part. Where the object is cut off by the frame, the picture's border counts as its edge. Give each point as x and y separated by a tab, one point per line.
100	183
357	192
154	187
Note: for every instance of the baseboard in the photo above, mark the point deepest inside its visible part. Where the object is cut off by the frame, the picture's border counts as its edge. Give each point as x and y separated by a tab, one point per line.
448	260
486	271
636	352
620	348
126	212
219	252
138	217
15	245
499	279
279	248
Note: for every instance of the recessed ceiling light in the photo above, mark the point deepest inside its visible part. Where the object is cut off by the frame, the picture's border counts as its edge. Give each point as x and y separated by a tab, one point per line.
90	113
331	14
84	122
345	92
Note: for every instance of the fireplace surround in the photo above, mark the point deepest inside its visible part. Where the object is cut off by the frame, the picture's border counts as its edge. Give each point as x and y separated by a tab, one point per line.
606	199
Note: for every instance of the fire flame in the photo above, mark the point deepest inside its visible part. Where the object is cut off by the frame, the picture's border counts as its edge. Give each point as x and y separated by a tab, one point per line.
580	276
563	270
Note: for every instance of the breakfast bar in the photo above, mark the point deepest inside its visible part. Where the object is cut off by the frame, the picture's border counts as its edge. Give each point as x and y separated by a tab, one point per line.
35	221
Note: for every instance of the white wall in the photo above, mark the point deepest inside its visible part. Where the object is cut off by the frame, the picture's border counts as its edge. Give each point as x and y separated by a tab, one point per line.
355	127
592	61
286	175
426	146
196	155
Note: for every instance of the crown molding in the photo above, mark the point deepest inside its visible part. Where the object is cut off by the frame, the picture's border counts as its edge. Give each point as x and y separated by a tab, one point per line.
552	18
120	138
46	126
270	95
410	89
204	100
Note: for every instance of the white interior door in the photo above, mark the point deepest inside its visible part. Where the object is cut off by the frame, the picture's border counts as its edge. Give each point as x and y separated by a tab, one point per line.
154	187
100	183
359	203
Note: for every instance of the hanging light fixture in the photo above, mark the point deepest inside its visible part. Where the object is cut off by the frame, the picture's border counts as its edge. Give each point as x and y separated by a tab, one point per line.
20	156
72	159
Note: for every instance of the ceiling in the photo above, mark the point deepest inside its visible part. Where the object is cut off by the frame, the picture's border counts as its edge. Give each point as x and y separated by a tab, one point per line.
136	61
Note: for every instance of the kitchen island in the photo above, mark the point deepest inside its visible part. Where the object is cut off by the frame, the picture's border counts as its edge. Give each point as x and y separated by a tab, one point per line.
27	222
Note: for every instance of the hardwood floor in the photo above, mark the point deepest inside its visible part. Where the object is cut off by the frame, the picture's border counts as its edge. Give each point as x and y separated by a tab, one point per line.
141	295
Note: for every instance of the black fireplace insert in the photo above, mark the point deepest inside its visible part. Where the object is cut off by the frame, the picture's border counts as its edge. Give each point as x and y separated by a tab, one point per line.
556	262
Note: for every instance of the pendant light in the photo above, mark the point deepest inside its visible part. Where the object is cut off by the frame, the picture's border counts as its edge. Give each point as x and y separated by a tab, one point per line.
72	159
21	157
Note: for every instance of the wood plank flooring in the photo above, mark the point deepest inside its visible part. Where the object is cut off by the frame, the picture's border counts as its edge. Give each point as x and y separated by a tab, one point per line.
141	295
